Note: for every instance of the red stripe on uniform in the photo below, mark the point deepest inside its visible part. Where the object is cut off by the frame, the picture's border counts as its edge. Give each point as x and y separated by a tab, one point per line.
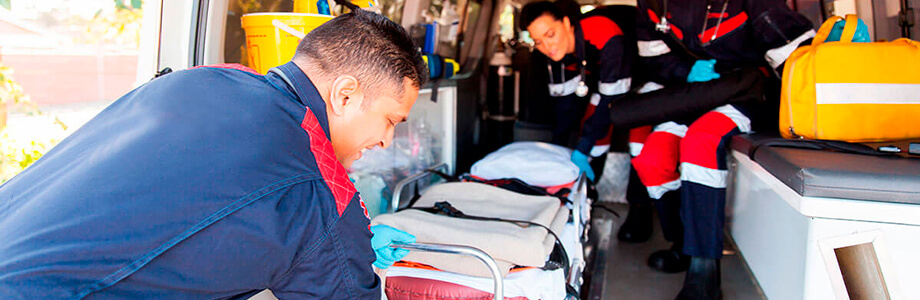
726	27
657	164
333	172
654	17
598	30
700	145
237	67
639	134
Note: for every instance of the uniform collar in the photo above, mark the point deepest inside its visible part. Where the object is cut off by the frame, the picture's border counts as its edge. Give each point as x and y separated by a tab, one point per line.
304	90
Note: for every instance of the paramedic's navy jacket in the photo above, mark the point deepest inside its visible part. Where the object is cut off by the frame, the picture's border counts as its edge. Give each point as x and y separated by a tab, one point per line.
205	183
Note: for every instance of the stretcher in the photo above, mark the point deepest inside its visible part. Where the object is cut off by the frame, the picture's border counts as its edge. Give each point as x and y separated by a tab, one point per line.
584	243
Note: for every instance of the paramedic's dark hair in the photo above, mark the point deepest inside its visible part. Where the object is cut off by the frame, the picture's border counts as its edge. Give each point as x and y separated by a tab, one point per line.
557	10
377	51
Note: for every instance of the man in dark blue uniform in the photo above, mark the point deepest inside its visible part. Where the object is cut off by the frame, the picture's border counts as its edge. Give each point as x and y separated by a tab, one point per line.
217	182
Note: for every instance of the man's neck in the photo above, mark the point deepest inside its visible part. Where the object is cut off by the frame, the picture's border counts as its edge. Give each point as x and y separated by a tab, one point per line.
322	86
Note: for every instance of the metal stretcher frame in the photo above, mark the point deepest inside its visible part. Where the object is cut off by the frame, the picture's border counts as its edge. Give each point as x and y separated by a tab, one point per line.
580	205
498	284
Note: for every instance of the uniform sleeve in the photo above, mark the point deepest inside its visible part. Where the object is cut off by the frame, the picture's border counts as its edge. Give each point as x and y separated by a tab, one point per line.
778	30
660	62
339	267
613	83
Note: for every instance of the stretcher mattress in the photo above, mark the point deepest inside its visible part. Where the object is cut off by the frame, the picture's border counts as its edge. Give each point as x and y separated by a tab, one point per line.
819	173
536	163
509	244
417	283
407	280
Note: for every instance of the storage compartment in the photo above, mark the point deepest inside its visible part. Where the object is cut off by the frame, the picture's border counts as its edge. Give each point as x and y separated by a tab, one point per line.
823	225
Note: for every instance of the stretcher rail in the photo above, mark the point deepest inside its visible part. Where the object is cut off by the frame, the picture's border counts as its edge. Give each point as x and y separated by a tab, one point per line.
498	293
401	185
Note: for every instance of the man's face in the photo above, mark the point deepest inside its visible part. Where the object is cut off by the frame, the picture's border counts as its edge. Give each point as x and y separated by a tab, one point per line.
552	37
362	128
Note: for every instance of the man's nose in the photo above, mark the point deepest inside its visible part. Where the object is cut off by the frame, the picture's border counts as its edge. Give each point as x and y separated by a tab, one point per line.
386	140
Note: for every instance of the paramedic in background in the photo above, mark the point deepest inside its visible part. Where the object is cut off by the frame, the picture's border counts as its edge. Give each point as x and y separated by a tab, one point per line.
217	182
586	58
688	41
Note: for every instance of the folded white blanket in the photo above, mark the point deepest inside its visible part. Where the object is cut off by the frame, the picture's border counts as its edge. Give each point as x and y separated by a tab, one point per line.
536	163
507	243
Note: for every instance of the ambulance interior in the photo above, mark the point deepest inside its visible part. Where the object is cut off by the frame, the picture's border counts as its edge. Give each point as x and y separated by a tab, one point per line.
800	224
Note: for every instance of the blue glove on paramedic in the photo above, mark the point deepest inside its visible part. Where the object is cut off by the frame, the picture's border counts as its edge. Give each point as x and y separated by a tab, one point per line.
702	71
384	236
861	35
581	160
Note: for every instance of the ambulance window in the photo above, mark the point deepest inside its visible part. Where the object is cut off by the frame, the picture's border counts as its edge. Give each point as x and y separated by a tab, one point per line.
61	62
235	37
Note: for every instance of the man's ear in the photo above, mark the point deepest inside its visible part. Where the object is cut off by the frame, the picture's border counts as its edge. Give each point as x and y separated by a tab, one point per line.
566	22
343	87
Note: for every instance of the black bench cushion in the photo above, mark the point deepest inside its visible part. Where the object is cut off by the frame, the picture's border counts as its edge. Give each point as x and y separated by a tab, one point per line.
817	173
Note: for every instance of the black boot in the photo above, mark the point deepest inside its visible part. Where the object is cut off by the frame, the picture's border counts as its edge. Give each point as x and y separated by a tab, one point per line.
703	281
638	225
671	260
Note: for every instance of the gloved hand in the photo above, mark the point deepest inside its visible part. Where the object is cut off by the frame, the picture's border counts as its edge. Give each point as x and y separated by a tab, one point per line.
581	160
384	236
702	71
861	35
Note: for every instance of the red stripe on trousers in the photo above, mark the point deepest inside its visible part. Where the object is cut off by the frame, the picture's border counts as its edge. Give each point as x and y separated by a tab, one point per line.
639	134
657	164
700	145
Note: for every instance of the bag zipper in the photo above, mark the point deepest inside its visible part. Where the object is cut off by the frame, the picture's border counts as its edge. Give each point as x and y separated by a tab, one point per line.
789	98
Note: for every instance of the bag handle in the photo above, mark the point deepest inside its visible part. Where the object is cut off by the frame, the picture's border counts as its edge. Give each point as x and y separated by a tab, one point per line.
825	30
849	28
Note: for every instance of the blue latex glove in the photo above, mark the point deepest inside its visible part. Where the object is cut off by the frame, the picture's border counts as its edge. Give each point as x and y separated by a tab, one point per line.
581	160
702	71
861	35
384	236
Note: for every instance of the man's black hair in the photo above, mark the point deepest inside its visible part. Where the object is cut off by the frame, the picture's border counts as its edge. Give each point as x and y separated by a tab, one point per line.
377	51
557	10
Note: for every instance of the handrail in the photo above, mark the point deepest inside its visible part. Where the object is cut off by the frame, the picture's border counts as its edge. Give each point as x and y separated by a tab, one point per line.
499	288
397	191
579	198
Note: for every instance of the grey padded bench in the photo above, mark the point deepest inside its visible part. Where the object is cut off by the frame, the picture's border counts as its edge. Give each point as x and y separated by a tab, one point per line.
817	173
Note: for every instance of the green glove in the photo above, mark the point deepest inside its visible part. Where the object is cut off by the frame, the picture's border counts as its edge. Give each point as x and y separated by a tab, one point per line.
581	160
702	71
384	236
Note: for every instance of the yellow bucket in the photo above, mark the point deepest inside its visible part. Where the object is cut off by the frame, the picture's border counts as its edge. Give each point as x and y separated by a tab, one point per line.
272	38
309	6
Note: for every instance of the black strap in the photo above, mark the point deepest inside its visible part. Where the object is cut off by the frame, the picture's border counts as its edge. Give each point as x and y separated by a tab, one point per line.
519	186
653	4
837	146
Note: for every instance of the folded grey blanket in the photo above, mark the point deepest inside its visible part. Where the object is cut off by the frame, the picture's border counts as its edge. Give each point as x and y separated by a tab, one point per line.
507	243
